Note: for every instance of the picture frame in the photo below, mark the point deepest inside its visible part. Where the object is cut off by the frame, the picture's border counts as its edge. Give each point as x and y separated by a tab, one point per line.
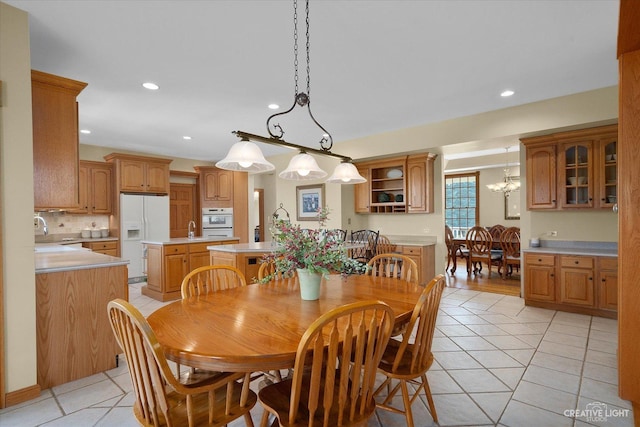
512	203
309	199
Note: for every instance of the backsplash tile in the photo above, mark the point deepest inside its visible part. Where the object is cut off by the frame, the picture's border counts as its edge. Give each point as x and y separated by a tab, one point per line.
65	223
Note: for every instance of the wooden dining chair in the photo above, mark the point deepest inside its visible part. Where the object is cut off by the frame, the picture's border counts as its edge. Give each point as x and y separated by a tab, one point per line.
323	392
409	360
201	399
268	269
452	255
211	278
479	244
369	241
384	245
510	243
394	265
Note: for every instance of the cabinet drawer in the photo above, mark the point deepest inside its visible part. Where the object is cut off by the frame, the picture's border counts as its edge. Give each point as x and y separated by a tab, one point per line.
175	249
608	263
539	259
576	261
199	247
412	250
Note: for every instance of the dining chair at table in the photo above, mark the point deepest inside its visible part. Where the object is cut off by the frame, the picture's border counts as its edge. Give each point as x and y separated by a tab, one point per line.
211	278
195	399
479	244
409	360
369	242
510	243
322	390
394	265
384	245
454	250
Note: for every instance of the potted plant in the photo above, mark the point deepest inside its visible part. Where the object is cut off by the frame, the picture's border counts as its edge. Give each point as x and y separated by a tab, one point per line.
311	253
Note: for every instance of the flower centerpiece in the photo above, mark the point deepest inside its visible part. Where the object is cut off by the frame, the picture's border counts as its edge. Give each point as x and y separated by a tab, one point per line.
309	251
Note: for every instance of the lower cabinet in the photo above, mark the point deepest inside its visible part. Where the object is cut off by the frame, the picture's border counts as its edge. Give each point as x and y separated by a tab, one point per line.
586	284
168	264
424	256
106	248
247	262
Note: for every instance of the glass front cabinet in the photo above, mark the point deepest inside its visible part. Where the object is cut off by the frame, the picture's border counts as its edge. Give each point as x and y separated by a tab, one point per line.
576	174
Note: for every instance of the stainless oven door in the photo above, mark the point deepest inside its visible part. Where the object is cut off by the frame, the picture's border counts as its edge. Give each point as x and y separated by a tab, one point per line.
217	232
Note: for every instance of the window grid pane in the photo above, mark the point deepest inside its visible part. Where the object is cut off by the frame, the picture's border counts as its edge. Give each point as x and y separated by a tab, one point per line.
461	201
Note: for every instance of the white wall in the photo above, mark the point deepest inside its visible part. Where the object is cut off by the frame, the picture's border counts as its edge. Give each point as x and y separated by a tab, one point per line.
16	176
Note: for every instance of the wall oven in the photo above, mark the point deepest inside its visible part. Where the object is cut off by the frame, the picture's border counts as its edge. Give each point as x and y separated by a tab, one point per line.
217	222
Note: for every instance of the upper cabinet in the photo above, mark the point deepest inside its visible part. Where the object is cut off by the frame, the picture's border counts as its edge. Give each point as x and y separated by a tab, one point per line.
217	186
96	188
55	141
569	170
397	185
138	174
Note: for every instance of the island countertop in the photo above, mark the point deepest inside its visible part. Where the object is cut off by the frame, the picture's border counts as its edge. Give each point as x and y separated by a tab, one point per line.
186	240
49	259
251	247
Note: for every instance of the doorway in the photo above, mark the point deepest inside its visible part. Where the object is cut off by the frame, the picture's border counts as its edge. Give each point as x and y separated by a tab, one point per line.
258	199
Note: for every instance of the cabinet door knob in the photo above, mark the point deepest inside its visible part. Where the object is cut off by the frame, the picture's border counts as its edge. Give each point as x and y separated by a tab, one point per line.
577	262
551	275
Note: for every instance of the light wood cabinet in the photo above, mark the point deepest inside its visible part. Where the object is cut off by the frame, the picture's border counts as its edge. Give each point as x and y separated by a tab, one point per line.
607	284
424	256
138	174
362	194
168	264
586	284
96	188
55	141
248	262
576	280
218	187
227	189
74	337
106	248
396	185
586	173
540	283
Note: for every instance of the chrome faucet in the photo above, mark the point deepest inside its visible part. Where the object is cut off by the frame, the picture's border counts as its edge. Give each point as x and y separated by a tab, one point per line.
191	233
37	219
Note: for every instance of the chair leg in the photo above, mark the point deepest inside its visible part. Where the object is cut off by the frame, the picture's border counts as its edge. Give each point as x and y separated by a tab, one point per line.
407	403
427	392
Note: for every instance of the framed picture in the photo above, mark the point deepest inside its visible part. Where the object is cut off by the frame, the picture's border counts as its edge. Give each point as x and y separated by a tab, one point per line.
512	203
309	199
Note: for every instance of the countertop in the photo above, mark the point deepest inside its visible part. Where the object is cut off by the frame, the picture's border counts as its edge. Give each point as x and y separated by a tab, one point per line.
252	247
186	240
412	240
56	258
562	247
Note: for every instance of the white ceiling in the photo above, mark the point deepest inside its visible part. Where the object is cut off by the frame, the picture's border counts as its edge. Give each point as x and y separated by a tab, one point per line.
376	65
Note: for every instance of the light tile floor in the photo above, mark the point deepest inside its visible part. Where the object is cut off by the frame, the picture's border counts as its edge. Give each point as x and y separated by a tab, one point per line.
498	363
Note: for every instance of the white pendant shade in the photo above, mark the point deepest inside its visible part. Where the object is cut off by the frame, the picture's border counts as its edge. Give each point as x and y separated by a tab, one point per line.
346	173
245	156
302	167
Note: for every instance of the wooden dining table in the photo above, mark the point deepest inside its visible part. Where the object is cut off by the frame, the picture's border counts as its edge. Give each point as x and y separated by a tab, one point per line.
258	327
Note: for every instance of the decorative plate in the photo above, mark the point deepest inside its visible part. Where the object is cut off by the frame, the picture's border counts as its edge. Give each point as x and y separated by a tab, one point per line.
394	173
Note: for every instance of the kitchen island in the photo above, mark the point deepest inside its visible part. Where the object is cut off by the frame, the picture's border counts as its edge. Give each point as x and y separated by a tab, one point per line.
73	287
168	261
246	257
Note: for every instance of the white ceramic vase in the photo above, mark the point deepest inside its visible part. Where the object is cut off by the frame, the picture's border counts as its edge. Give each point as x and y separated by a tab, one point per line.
309	284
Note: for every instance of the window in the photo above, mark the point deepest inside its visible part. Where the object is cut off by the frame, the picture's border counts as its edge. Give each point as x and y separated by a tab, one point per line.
461	199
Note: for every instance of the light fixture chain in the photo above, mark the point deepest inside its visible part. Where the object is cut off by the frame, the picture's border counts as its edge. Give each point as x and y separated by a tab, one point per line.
308	57
295	46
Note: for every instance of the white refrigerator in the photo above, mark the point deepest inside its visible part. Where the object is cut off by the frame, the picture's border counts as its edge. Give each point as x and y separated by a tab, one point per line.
142	218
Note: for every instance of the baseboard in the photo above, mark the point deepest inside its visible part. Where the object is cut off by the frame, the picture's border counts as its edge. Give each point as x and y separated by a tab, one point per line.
14	397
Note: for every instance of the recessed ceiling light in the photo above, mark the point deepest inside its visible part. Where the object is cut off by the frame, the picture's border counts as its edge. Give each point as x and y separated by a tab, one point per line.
274	106
507	93
186	137
150	86
87	131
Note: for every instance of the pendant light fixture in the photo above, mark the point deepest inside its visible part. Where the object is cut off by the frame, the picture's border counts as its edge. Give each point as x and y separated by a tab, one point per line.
507	185
302	166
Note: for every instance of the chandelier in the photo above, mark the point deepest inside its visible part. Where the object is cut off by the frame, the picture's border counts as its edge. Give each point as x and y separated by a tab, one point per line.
245	155
507	185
